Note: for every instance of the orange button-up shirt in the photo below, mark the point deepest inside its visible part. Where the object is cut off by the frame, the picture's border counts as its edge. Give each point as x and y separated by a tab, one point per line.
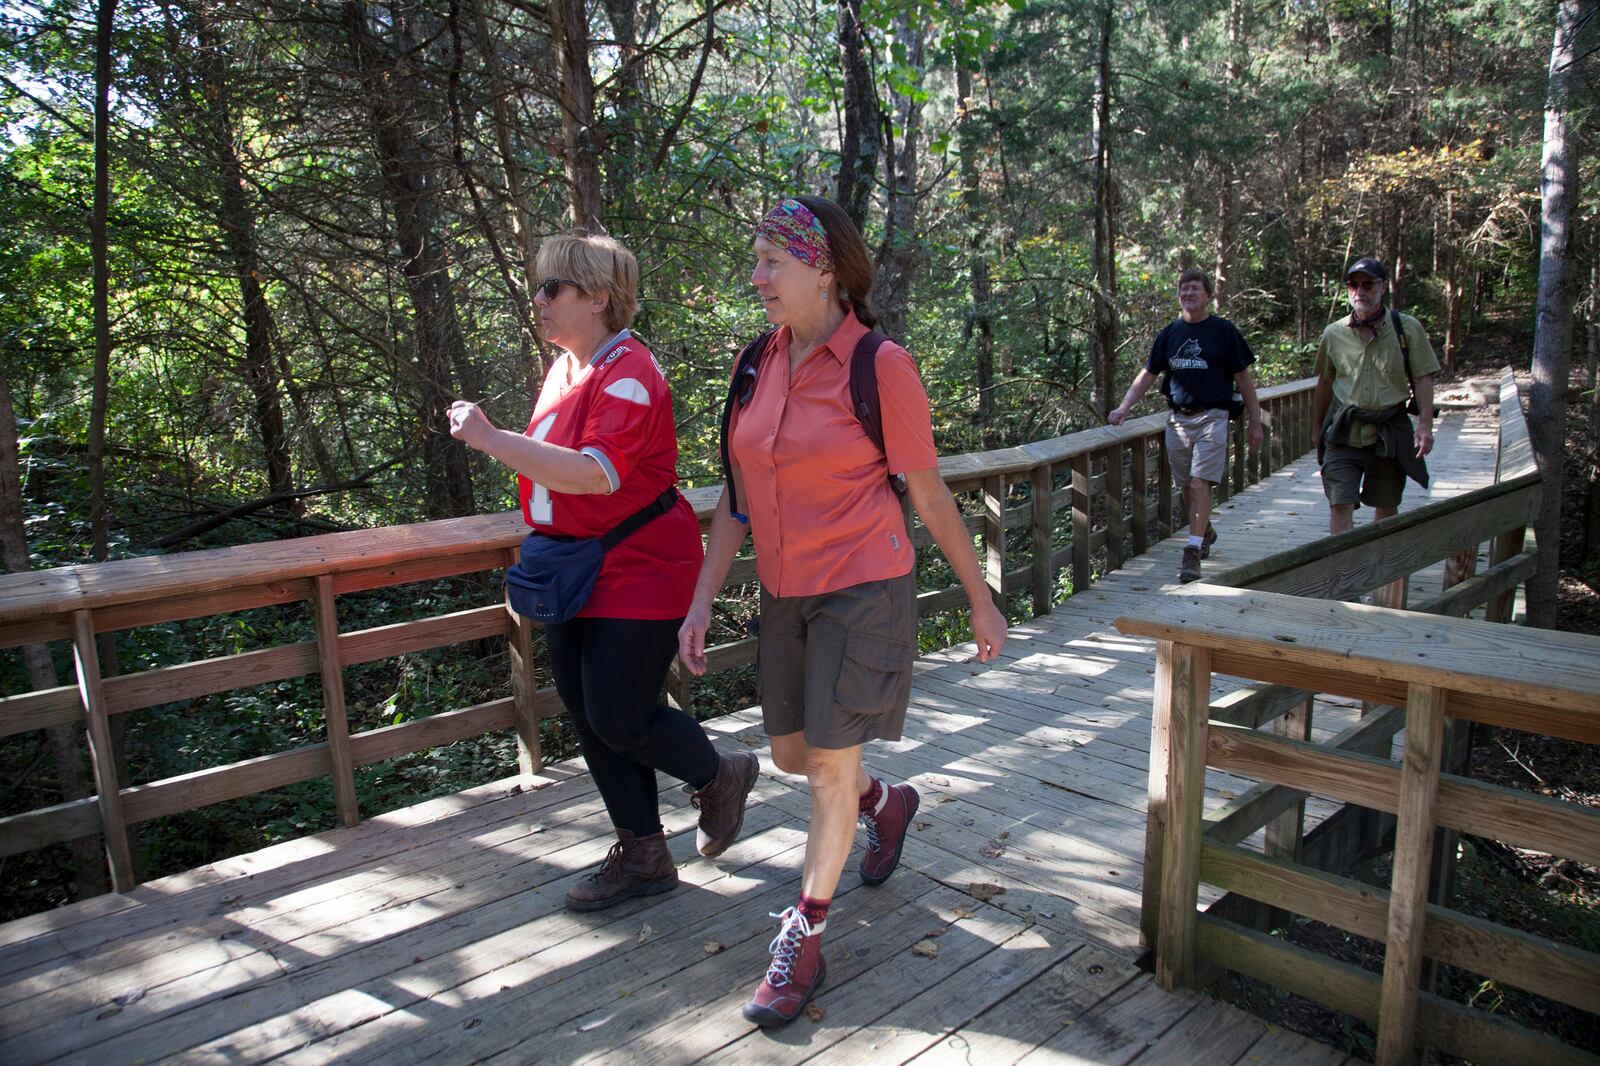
815	487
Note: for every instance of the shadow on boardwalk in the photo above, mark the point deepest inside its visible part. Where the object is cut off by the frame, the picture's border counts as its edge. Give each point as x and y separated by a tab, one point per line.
437	933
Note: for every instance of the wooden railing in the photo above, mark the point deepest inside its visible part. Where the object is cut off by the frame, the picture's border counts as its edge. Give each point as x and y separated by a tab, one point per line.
1274	626
1107	479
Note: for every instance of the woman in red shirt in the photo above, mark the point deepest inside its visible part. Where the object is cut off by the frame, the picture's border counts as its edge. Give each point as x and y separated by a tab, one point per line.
600	447
838	599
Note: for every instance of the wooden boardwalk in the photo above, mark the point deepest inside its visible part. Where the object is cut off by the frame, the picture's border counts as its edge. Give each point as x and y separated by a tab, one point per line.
437	933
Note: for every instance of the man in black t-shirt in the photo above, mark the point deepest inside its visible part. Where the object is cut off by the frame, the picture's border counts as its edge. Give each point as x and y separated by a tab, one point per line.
1202	359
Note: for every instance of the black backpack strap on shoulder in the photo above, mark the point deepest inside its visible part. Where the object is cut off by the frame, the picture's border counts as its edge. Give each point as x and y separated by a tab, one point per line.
864	396
740	389
1405	345
658	506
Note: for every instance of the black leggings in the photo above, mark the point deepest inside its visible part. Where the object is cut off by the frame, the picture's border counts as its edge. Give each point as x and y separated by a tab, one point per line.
608	672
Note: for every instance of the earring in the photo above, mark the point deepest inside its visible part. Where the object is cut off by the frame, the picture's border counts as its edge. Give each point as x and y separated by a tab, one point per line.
823	293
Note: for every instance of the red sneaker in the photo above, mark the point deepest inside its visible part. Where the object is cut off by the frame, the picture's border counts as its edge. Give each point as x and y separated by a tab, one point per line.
886	832
795	975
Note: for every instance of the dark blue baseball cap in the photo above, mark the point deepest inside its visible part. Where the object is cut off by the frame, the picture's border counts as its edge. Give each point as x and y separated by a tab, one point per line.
1368	266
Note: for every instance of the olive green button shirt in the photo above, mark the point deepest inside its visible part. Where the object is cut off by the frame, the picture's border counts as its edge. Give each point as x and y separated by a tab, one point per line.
1372	374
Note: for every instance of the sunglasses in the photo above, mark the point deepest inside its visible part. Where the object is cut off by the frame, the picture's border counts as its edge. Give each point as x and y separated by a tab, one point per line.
551	286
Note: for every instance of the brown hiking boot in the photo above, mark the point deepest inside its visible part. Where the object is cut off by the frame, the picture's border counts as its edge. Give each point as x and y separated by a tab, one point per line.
635	866
1190	568
721	803
1207	541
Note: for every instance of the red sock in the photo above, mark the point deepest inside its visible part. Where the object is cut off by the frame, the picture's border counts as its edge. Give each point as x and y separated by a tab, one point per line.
870	798
815	910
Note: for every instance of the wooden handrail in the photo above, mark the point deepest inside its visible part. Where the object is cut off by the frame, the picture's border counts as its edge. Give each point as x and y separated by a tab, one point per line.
74	603
1426	667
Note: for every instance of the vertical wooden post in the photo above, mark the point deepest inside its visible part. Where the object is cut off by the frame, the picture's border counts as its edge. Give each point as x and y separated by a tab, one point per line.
1044	575
994	538
1505	546
1164	488
333	709
524	715
1231	470
1187	696
1157	811
1285	832
1116	527
1081	525
1137	464
101	756
1408	890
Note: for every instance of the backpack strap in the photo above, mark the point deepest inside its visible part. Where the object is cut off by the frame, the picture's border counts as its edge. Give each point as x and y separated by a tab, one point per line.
658	506
1405	346
740	389
864	396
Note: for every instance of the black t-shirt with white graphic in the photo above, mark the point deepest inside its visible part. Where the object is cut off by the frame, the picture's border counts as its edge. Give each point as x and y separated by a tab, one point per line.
1199	360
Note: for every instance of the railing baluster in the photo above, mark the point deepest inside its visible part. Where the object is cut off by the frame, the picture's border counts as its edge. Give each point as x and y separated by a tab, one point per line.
1116	528
1408	890
1163	487
333	708
524	715
101	756
1081	524
1285	832
1044	575
994	537
1141	499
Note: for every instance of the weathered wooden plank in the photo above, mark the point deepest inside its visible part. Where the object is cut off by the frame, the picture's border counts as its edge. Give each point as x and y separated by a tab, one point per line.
1116	525
49	825
1043	576
40	709
1553	676
186	681
1284	831
1537	964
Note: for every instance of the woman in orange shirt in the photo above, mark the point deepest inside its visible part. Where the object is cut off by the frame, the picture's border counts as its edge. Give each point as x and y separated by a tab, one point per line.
838	598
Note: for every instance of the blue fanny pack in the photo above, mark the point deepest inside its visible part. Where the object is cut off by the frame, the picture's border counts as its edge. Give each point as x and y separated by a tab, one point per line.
554	576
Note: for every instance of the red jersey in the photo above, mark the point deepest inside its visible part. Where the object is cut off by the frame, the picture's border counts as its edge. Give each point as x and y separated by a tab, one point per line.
617	409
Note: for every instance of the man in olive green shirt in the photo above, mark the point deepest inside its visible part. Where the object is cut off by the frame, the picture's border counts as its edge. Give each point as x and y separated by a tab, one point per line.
1367	445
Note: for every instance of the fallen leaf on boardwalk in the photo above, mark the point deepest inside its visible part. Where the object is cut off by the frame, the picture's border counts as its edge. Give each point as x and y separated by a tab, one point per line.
646	933
1031	858
932	934
921	825
232	899
816	1013
925	948
962	912
713	947
536	827
1225	794
992	850
1004	836
947	799
935	779
983	891
472	1023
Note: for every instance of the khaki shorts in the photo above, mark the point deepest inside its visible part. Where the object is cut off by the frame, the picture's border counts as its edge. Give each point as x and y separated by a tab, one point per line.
1360	475
837	666
1197	445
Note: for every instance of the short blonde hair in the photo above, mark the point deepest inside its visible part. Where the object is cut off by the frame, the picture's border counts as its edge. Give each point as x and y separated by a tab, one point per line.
597	264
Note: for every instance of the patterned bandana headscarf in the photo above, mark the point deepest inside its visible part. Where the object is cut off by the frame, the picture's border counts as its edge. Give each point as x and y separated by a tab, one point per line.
792	227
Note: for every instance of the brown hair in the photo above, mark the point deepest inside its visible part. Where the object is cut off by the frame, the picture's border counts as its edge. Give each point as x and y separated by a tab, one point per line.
600	266
1196	274
852	263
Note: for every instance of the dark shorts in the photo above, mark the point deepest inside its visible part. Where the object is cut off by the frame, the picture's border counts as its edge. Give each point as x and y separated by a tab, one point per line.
837	666
1358	475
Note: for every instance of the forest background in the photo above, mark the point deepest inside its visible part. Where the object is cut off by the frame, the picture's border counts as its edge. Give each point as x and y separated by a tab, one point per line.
318	223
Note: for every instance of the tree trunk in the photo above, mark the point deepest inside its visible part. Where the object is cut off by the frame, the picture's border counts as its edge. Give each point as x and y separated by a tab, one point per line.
1552	341
899	254
1591	522
858	144
1452	284
100	379
236	218
580	139
411	180
981	326
1104	251
1228	178
66	751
